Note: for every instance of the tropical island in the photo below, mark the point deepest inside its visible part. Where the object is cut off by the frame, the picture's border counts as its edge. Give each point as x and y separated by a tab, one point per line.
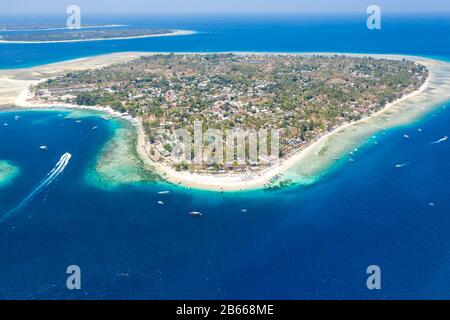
304	96
20	27
426	84
88	34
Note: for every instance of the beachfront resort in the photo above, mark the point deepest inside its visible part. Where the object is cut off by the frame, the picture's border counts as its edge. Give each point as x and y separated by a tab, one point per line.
304	97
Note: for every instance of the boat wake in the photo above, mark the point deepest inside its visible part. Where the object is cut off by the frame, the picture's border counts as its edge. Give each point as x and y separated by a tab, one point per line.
49	178
440	140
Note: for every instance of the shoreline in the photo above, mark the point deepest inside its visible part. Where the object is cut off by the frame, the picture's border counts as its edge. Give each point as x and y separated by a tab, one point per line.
172	34
309	157
234	183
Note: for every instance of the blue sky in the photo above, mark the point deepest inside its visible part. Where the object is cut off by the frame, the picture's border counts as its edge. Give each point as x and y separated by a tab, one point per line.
219	6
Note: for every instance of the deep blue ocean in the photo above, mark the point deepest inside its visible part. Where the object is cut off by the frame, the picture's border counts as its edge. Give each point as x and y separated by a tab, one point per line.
300	242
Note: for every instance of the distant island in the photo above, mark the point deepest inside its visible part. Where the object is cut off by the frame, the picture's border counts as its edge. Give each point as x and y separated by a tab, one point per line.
8	27
88	34
305	96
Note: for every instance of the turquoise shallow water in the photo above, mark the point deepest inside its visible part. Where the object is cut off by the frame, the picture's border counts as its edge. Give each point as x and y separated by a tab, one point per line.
8	171
301	242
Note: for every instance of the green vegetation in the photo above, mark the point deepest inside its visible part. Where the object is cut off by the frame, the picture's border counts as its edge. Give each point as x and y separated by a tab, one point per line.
70	35
7	172
304	96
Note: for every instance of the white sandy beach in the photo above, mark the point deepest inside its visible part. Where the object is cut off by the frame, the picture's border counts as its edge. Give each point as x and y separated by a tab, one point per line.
306	163
171	34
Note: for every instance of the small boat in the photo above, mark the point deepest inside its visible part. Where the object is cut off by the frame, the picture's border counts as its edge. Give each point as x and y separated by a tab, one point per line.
16	118
405	136
195	213
93	128
401	165
244	210
5	124
43	148
160	202
351	160
78	121
431	204
420	130
336	159
164	192
123	274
